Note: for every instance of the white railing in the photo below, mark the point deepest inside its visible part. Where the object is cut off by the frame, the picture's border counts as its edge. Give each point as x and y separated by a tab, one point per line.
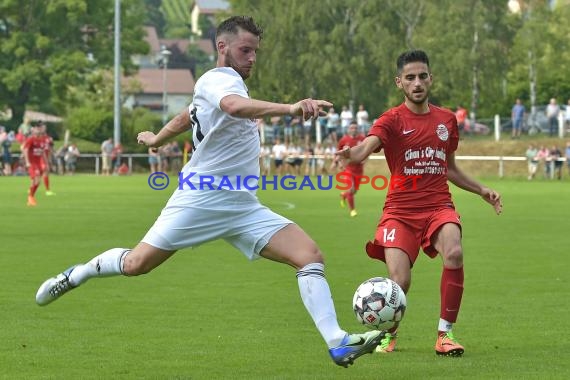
130	156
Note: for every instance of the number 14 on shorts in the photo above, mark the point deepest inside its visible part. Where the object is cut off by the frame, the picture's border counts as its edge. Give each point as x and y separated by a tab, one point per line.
389	234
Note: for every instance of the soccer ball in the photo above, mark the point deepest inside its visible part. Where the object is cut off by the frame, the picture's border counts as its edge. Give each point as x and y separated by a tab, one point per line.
379	303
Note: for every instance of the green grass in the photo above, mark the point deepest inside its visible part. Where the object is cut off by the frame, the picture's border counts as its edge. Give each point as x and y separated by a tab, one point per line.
208	313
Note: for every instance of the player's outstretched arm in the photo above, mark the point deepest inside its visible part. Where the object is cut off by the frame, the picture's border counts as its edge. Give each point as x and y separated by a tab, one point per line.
463	181
246	108
179	124
359	153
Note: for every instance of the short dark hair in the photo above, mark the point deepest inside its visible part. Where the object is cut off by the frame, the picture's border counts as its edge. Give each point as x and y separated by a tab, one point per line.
411	56
234	23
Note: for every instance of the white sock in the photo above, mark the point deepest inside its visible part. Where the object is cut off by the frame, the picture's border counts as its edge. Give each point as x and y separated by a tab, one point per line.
444	325
316	296
109	263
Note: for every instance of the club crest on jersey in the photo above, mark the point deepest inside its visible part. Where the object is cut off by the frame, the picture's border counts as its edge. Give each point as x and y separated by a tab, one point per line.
442	132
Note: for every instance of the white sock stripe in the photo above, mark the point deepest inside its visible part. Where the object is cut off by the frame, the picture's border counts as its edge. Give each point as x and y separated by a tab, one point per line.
122	259
314	272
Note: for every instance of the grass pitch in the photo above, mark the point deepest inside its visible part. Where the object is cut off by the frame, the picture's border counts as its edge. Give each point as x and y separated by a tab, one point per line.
208	313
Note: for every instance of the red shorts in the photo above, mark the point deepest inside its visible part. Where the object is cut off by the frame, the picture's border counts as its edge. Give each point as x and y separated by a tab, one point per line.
37	169
350	178
410	230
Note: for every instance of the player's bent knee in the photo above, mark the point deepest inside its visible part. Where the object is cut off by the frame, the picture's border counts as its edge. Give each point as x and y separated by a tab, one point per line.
135	265
454	257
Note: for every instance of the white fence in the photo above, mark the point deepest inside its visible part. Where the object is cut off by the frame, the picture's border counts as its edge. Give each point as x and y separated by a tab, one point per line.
142	161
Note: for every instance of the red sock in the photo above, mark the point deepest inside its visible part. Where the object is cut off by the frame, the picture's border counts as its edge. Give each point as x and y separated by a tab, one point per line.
33	189
350	199
451	290
46	182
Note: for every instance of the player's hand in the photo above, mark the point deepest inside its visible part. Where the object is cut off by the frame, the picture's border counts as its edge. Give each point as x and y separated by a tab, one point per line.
147	138
494	199
309	108
342	158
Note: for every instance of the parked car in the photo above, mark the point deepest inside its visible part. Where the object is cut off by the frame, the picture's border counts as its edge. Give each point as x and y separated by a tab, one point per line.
532	124
538	122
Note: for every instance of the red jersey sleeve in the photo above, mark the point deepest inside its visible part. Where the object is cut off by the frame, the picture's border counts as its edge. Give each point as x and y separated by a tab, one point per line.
381	128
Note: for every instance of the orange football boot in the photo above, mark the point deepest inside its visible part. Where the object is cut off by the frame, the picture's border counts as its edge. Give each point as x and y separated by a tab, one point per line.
447	345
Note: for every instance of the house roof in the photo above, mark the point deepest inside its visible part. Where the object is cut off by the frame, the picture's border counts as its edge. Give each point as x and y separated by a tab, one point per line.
178	81
212	6
151	37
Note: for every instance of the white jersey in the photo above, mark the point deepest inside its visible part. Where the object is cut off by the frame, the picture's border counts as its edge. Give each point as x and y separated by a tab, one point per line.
227	148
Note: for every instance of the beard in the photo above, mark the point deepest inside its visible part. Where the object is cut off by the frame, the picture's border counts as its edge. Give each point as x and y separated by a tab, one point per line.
415	99
230	62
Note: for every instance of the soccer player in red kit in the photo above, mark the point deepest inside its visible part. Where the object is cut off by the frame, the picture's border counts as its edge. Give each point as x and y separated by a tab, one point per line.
35	155
48	144
353	172
419	141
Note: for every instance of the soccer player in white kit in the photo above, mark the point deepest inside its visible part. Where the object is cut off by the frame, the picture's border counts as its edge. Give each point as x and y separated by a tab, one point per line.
227	148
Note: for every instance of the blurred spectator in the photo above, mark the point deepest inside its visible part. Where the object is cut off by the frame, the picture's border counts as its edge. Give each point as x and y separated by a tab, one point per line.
276	127
567	117
70	158
555	163
123	169
544	156
322	122
175	157
320	153
269	138
164	154
60	158
25	129
6	140
187	152
568	156
362	118
517	116
333	125
307	129
279	152
287	129
311	160
461	116
106	155
552	111
153	160
265	160
346	117
116	157
531	157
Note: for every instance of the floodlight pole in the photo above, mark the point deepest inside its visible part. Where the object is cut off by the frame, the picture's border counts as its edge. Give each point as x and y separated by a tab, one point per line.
117	89
165	54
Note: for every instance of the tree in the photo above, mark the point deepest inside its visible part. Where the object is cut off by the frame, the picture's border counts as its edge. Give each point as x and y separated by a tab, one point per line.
47	46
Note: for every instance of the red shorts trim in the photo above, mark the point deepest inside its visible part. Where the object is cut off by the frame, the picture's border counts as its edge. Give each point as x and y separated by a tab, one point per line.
409	231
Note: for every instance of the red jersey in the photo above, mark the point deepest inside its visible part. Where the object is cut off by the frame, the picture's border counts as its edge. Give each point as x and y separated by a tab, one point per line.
37	147
349	141
416	148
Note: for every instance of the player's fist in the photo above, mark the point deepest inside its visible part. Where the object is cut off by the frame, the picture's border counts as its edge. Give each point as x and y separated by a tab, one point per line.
147	138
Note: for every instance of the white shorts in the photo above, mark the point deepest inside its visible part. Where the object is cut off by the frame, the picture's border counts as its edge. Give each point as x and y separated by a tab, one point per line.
192	218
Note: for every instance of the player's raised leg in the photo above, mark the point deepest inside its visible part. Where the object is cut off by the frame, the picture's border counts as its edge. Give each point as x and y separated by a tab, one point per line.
117	261
291	245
